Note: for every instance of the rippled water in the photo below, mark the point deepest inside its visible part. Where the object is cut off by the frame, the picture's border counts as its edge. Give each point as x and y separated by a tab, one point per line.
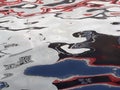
59	44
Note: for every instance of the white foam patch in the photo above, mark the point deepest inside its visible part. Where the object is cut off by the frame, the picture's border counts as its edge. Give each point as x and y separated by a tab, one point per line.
74	51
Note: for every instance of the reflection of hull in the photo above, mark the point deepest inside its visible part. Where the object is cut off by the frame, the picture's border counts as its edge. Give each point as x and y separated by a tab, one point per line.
104	49
86	81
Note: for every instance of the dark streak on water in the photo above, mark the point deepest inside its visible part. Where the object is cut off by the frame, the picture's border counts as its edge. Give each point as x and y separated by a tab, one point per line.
62	2
4	21
100	15
32	28
115	23
29	23
22	6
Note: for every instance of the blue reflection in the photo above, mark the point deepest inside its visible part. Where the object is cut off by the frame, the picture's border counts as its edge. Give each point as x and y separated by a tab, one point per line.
98	87
66	68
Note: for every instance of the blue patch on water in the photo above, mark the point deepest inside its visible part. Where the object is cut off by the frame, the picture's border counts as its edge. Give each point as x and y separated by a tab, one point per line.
98	87
66	69
3	85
